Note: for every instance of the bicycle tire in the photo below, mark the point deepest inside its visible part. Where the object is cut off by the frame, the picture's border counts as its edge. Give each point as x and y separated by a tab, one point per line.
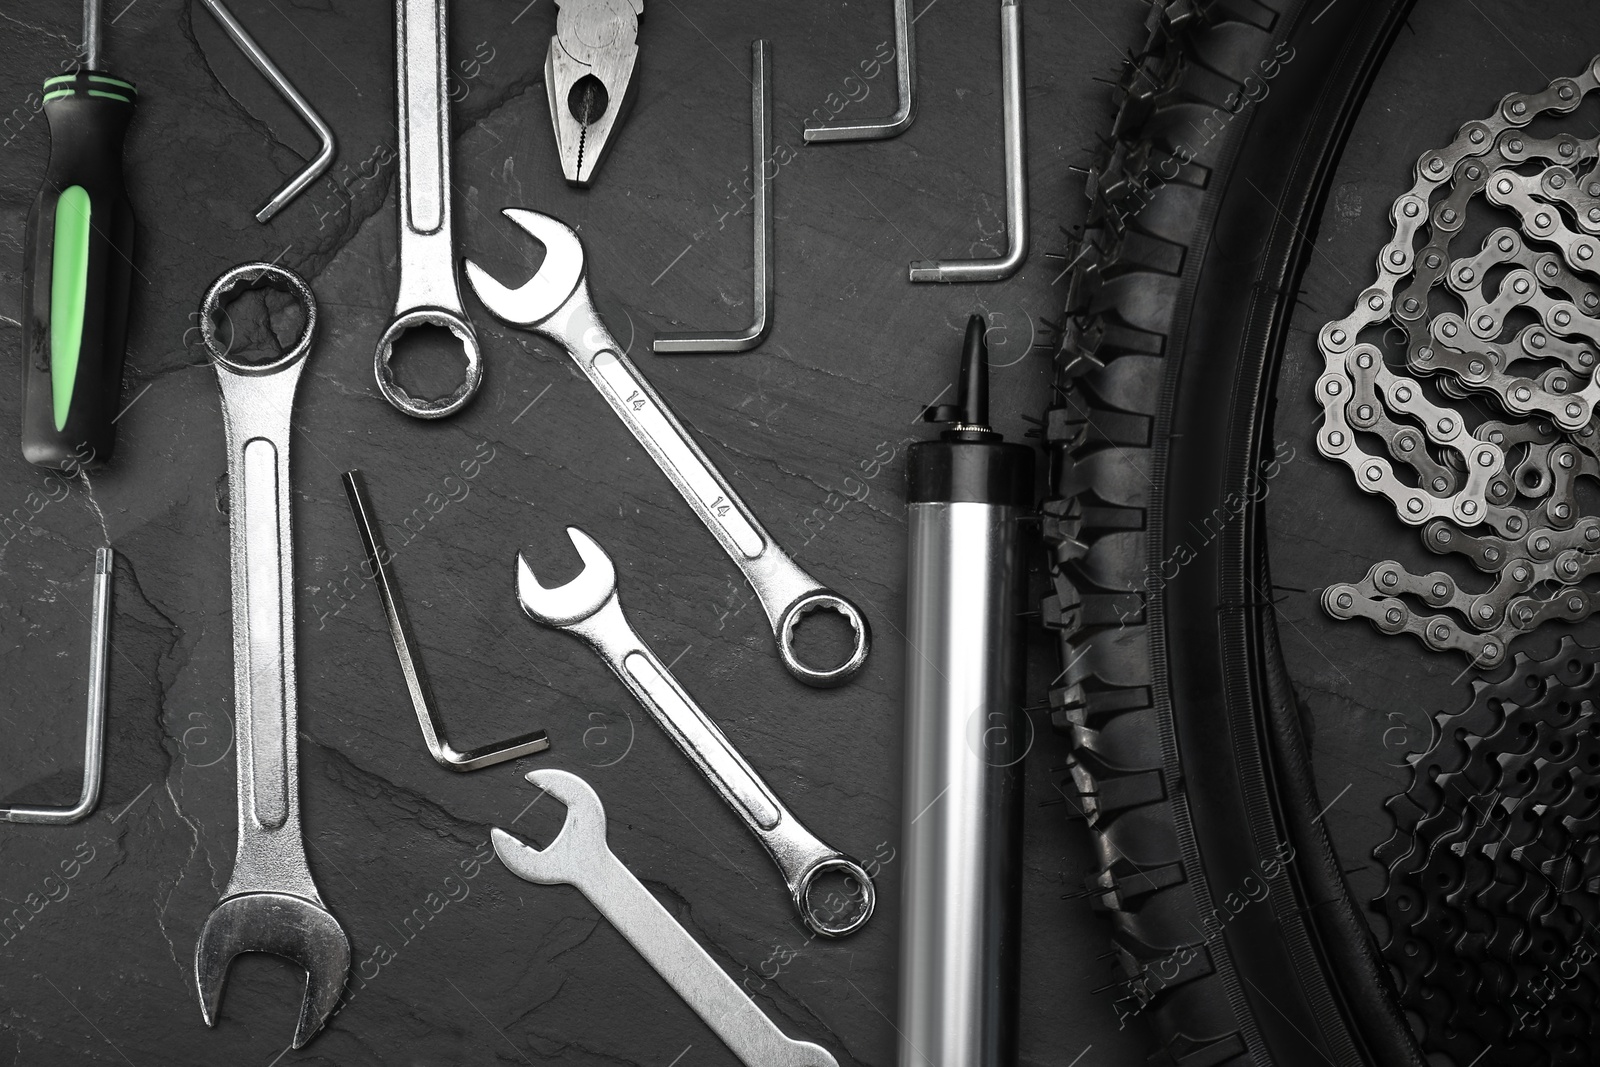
1188	758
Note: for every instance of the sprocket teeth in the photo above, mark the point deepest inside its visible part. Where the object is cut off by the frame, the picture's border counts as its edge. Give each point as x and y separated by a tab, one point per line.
1493	871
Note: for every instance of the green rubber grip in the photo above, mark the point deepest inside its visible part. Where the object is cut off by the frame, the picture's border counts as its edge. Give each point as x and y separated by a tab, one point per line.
77	276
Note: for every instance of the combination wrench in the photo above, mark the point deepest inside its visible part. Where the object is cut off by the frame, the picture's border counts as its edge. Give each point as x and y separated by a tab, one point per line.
556	304
581	857
429	292
271	903
588	607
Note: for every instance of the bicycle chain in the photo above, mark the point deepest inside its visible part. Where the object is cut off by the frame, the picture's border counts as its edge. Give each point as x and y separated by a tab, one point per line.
1501	493
1493	891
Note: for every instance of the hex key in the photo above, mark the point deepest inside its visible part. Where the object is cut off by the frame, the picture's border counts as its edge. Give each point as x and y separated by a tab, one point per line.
994	270
95	729
264	64
422	700
694	342
905	68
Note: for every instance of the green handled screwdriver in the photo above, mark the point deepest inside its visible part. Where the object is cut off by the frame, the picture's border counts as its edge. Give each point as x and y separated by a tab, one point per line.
78	268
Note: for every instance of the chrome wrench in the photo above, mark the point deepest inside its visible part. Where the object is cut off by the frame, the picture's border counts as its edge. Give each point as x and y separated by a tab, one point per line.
429	292
271	903
588	607
581	857
556	303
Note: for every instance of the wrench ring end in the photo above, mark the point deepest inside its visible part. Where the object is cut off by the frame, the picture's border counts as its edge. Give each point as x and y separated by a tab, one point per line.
805	605
808	912
404	401
249	276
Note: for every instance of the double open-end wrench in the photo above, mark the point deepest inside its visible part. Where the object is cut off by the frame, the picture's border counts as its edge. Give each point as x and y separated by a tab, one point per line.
556	303
580	857
429	293
271	904
588	607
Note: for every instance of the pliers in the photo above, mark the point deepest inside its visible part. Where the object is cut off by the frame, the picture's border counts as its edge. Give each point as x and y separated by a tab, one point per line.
588	77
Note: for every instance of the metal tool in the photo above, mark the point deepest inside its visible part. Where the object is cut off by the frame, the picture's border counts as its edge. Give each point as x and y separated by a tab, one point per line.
429	293
588	607
581	857
1523	746
78	268
422	699
271	903
686	342
905	69
263	62
1016	149
968	494
556	303
94	730
1525	337
589	80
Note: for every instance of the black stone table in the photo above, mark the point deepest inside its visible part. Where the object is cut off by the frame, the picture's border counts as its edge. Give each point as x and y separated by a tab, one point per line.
456	960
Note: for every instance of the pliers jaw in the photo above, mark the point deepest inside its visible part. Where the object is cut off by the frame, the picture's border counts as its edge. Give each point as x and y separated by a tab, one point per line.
588	78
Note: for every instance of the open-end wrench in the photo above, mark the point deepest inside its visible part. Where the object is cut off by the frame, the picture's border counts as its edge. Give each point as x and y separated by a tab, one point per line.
429	293
271	904
580	857
588	607
555	303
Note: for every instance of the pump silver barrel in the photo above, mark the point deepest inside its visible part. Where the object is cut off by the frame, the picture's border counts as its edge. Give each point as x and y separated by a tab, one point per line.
965	739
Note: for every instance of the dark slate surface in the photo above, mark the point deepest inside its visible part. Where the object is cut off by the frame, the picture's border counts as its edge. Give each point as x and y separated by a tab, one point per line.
1370	698
460	961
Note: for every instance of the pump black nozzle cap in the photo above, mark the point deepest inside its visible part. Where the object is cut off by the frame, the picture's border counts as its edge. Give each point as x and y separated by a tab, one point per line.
970	462
971	408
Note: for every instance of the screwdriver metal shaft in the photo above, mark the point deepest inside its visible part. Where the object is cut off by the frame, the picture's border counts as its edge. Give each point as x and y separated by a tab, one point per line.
91	34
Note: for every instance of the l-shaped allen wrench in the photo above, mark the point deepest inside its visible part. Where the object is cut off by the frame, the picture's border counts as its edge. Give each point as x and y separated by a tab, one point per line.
95	729
422	699
1016	153
263	62
905	70
699	342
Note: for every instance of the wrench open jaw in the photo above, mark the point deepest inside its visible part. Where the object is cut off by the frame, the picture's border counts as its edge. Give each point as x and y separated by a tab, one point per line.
581	841
299	930
556	304
577	601
541	296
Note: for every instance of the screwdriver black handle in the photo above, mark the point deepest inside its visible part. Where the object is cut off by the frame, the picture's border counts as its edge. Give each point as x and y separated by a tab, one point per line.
78	270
